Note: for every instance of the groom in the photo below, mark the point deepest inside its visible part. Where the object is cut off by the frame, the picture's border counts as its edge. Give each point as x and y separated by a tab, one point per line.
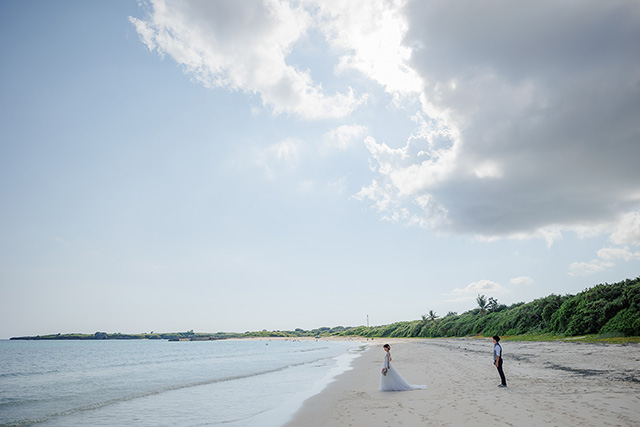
497	359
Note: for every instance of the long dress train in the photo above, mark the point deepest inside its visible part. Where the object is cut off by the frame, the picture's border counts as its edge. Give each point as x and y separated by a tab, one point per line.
393	381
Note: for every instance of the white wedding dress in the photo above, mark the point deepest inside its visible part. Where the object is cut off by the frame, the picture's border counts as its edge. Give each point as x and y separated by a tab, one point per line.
393	381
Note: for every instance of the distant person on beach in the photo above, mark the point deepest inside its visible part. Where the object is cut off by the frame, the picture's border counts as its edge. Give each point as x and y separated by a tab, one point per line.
390	379
497	360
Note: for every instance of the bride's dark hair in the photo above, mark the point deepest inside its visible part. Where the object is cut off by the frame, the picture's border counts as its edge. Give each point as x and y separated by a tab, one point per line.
386	346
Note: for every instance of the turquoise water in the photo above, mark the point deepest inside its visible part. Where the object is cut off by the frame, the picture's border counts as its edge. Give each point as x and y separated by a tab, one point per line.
161	383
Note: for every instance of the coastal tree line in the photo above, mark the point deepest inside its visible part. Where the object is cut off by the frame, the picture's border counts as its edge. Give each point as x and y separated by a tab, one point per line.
612	309
603	309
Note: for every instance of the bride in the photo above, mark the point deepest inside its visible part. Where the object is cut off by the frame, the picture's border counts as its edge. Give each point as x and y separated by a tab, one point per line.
391	380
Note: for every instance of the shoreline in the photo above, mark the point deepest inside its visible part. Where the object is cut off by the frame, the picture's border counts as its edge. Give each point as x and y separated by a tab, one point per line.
557	383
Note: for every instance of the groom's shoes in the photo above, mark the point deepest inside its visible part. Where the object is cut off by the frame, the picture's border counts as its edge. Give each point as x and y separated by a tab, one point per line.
502	386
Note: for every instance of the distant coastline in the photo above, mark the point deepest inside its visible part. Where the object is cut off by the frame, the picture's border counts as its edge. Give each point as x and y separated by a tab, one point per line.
177	336
186	336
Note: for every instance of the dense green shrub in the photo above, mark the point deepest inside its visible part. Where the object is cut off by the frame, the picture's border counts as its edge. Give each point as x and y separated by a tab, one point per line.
626	321
606	308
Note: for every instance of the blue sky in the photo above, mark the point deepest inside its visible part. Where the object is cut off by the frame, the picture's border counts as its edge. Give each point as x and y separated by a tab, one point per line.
233	166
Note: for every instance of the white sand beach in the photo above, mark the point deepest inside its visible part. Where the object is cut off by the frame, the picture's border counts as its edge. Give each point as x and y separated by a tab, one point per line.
550	383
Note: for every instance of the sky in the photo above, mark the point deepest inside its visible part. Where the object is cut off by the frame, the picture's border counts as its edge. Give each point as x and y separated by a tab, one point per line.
238	166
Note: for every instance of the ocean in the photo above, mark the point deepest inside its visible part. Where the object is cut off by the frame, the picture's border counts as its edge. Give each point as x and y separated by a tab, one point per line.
160	383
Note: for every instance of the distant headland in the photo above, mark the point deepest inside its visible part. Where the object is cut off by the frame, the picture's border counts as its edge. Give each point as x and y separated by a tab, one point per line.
172	336
186	336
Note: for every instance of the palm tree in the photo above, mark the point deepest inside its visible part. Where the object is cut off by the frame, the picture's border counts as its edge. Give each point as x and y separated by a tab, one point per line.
432	316
482	303
492	304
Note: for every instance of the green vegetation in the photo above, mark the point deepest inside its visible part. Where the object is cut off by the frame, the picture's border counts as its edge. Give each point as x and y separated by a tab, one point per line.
605	312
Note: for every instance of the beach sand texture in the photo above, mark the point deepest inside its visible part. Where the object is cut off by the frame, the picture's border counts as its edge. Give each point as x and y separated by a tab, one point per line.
550	383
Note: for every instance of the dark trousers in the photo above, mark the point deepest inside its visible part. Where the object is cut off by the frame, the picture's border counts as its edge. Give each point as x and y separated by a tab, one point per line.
501	372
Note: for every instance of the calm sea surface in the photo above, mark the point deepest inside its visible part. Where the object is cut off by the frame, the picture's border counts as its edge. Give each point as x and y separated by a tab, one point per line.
162	383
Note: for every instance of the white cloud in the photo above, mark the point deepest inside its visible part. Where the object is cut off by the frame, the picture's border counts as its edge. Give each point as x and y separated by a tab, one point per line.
628	230
371	34
487	170
243	46
624	254
535	108
589	268
605	260
548	234
483	287
284	153
343	137
408	177
521	281
287	151
528	113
